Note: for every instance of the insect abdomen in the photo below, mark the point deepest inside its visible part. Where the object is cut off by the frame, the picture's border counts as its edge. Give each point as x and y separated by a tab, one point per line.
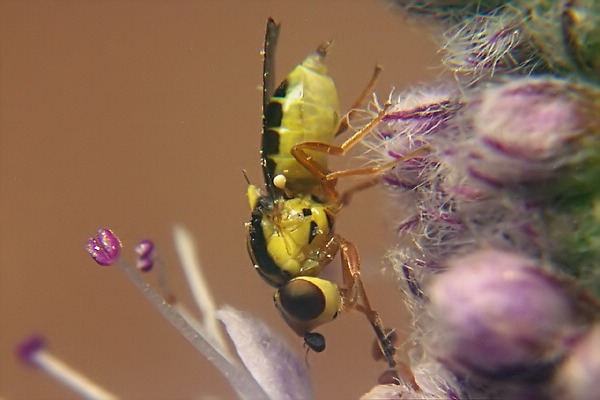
304	108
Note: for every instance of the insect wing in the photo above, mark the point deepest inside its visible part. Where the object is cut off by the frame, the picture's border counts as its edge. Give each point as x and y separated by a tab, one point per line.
271	37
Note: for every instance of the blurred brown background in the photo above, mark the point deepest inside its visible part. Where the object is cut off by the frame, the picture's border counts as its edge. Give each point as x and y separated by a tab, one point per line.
136	115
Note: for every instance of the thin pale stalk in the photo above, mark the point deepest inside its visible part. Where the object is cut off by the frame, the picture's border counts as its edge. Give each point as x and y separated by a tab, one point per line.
190	264
70	377
241	381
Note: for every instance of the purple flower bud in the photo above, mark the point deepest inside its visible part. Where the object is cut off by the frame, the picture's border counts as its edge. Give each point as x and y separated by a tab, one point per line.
523	130
145	251
27	349
578	377
496	315
144	248
144	264
105	247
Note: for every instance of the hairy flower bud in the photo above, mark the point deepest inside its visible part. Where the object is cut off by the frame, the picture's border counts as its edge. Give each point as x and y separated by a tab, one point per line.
524	130
413	123
497	316
488	44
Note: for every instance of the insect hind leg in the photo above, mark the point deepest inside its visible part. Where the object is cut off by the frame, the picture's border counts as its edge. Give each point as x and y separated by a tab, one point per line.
329	178
355	297
345	122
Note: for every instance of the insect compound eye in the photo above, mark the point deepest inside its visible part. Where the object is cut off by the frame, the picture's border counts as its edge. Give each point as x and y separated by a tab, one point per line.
302	300
314	341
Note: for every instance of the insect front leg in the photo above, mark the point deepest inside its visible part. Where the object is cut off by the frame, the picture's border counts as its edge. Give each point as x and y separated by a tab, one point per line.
355	297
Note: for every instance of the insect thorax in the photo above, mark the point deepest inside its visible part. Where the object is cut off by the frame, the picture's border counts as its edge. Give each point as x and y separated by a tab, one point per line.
289	238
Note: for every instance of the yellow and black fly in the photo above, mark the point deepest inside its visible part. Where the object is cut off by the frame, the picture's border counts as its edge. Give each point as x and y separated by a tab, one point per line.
290	236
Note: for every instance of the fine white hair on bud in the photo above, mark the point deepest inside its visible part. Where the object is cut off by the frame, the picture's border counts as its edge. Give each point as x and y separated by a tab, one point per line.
488	44
417	119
